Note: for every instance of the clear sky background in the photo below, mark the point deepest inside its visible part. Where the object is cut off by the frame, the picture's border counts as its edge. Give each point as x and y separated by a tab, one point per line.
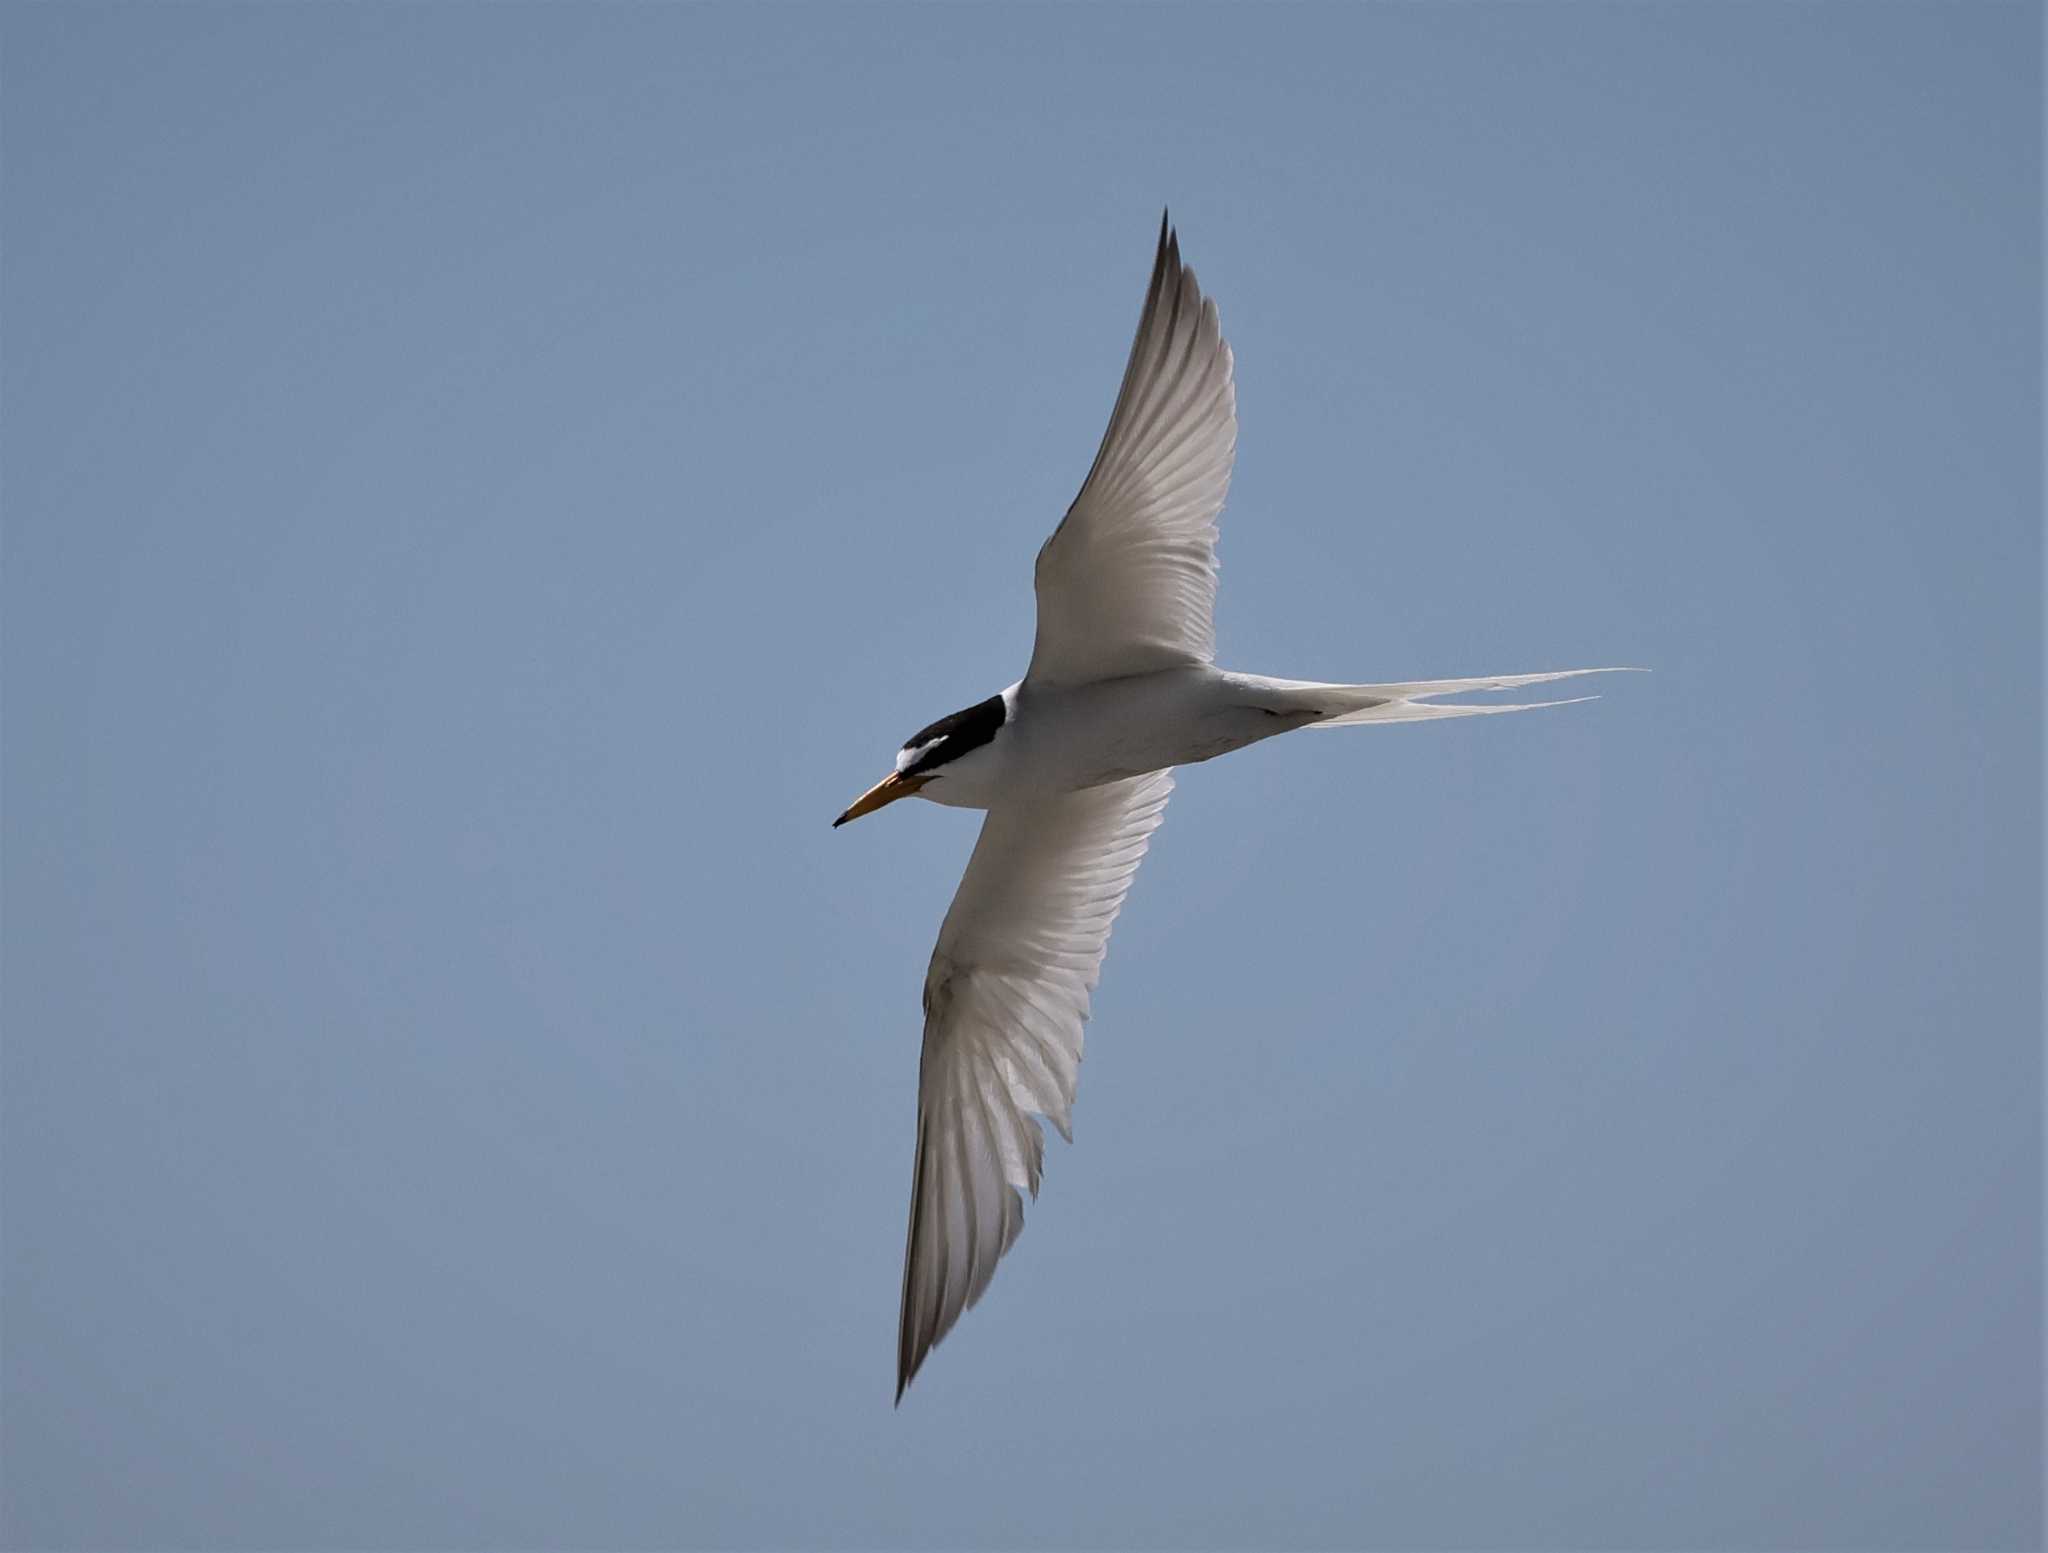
486	484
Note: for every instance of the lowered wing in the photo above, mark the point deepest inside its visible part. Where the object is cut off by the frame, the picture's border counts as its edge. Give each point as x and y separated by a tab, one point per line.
1004	1003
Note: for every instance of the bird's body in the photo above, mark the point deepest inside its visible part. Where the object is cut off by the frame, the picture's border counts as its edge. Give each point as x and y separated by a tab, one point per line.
1074	764
1059	738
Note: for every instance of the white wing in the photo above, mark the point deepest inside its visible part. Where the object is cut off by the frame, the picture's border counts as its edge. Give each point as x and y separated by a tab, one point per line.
1127	583
1004	1003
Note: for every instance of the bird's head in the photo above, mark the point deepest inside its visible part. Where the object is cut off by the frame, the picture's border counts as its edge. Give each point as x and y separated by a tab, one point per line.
928	755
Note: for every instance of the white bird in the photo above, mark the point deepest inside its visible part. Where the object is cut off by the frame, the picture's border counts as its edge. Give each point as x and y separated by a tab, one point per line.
1074	764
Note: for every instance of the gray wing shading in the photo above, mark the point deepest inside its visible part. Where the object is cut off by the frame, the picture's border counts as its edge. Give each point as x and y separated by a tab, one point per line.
1127	582
1004	1004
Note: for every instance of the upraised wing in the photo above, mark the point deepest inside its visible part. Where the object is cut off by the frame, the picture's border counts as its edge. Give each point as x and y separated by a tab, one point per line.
1004	1003
1127	582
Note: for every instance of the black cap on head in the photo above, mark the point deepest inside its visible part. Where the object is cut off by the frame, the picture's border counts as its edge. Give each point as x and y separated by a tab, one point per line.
951	737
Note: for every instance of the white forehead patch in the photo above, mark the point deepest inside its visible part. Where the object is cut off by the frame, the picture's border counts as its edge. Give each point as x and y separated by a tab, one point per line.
912	753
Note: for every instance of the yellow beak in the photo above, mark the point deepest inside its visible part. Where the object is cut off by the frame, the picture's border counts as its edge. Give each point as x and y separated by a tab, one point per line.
892	787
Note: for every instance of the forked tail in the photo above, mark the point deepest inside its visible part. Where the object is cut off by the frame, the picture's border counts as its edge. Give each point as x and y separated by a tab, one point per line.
1344	705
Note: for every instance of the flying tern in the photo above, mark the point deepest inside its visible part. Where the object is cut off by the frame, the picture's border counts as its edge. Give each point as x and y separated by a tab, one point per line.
1074	763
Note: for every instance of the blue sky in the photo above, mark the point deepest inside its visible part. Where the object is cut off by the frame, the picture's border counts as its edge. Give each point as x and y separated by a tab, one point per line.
485	485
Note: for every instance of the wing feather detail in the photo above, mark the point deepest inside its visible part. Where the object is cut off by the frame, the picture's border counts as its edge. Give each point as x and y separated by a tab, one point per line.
1127	582
1005	1001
